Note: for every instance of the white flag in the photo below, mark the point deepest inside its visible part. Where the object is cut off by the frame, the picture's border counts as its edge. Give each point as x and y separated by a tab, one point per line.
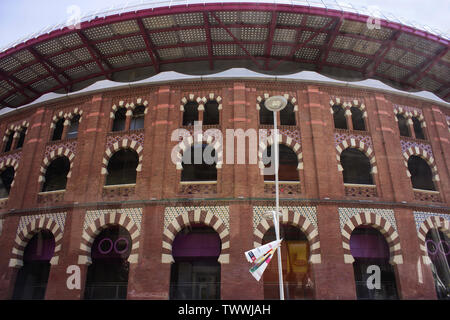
255	254
260	258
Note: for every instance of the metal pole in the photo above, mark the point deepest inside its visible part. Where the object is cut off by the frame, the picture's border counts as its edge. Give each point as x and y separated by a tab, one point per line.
276	219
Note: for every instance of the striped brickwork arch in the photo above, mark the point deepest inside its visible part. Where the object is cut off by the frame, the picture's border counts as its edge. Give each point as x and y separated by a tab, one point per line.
433	222
417	151
378	222
194	217
361	146
288	97
123	144
103	222
27	232
348	105
15	129
60	152
296	220
193	98
188	142
409	113
212	97
130	106
9	162
282	139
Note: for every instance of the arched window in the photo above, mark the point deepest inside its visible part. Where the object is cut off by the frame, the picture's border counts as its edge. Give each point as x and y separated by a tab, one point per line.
421	175
56	175
288	164
119	119
73	129
122	167
357	119
22	135
32	278
195	275
137	121
265	115
9	142
211	115
287	115
107	276
190	114
356	167
340	122
369	248
6	179
58	130
418	131
438	248
199	164
403	126
297	276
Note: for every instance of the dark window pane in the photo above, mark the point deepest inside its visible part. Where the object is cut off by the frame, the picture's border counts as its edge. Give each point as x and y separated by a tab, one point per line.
211	113
265	115
137	122
195	168
287	115
288	164
119	120
421	175
190	114
73	129
122	167
7	177
9	142
22	135
438	249
356	167
418	131
357	119
58	130
403	126
56	174
340	122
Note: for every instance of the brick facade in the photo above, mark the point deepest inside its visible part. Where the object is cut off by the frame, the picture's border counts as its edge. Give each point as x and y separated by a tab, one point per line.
148	209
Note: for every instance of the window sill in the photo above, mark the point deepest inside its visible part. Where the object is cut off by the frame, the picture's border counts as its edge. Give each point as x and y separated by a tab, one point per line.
426	191
113	186
51	192
197	182
359	185
282	182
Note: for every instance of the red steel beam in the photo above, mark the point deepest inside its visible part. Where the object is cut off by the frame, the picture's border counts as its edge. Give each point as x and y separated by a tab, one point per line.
271	33
330	41
46	63
426	66
95	54
380	54
149	45
207	27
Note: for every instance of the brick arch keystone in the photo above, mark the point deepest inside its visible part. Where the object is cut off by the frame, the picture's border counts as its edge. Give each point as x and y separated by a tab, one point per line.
69	116
361	146
347	106
433	222
212	97
27	232
60	152
186	219
282	139
289	98
101	223
129	107
123	144
298	221
379	223
420	152
193	98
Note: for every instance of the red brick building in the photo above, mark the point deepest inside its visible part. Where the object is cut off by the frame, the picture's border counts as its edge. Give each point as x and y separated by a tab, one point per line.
91	177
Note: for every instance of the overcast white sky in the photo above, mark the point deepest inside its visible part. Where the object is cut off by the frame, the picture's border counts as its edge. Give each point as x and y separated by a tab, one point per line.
20	18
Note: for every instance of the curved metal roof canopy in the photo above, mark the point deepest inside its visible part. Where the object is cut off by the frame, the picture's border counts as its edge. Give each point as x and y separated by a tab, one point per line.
199	39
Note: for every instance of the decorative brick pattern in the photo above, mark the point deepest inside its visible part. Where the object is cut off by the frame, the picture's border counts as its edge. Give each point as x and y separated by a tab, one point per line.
122	144
381	219
427	196
360	191
9	161
266	96
347	103
60	152
51	197
97	220
285	189
361	146
3	203
303	218
118	192
341	135
15	129
416	151
407	143
130	106
293	142
53	147
425	221
29	226
201	101
176	218
187	189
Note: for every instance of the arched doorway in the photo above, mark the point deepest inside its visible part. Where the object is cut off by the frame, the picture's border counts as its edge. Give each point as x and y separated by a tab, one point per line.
107	276
31	281
438	249
297	275
369	248
195	274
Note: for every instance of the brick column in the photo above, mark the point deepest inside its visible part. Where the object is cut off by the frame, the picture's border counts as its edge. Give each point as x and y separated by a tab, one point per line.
414	278
439	138
150	279
65	129
387	144
333	279
7	274
236	281
57	281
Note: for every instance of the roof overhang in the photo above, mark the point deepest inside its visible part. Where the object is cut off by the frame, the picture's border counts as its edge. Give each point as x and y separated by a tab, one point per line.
200	39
